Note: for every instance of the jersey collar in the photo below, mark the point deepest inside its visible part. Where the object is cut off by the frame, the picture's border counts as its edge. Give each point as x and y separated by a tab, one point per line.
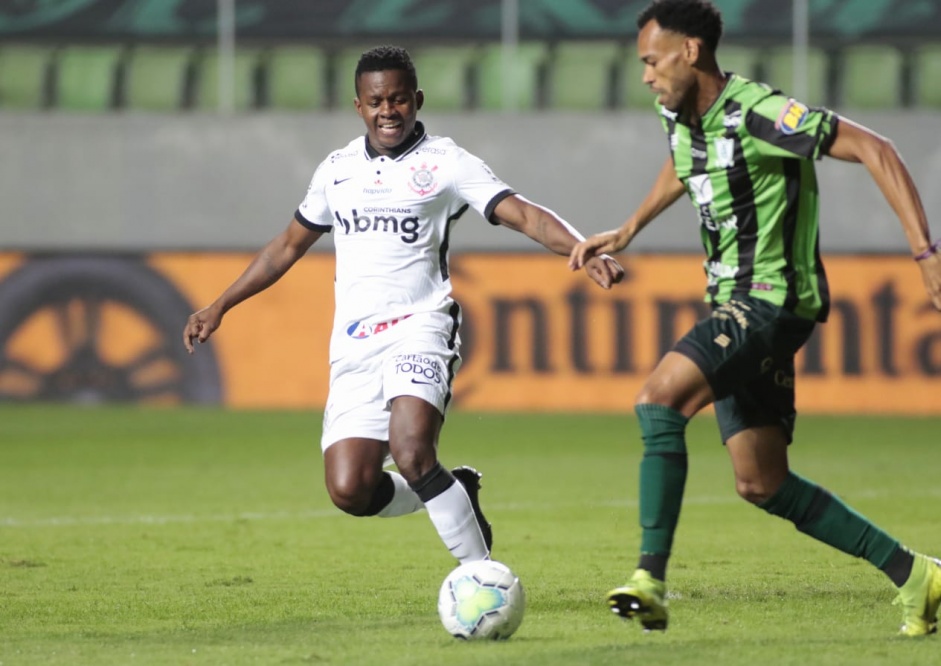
417	137
718	106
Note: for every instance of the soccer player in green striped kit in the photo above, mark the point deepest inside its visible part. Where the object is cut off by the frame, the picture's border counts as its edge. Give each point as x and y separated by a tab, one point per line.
744	154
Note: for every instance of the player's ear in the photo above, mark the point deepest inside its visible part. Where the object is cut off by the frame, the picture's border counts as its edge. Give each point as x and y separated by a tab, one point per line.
419	98
356	103
692	50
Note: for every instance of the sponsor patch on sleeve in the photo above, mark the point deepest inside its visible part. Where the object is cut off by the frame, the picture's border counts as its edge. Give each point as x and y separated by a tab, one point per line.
792	117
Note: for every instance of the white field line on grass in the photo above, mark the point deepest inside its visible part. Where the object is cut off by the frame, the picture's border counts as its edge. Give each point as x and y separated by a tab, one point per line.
71	521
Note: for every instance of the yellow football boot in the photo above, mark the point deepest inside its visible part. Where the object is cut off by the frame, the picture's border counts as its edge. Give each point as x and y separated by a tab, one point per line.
920	597
643	597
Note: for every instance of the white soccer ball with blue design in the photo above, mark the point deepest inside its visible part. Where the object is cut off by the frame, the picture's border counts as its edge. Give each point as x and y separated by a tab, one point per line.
481	600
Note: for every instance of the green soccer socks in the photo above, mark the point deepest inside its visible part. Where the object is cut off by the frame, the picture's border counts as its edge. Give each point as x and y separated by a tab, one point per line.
825	517
662	482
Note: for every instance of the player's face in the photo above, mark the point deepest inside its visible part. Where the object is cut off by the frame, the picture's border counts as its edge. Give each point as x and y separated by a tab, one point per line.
668	59
389	106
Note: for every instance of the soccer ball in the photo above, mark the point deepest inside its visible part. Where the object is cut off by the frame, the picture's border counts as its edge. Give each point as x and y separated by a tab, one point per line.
481	600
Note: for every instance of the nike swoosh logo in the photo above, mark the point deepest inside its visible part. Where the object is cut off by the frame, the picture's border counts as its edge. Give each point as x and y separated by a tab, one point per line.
341	180
418	381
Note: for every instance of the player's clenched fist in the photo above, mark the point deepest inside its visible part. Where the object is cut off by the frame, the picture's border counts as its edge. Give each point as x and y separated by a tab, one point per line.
604	270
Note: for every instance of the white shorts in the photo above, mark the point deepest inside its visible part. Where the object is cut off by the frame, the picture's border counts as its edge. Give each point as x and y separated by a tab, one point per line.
416	356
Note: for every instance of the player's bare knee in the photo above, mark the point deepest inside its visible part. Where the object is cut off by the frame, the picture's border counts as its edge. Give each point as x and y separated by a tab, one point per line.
657	390
350	496
650	395
753	491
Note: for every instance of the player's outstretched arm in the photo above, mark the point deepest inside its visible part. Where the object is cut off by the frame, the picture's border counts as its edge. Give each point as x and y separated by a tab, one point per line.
554	233
855	143
265	269
665	191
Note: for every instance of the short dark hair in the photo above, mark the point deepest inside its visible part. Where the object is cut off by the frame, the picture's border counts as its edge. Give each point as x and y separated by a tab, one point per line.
693	18
382	59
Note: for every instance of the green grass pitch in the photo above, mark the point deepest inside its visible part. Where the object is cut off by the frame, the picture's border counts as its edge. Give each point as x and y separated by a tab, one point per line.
200	536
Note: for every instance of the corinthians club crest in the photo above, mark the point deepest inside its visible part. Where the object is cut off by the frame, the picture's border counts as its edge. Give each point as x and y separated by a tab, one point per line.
423	180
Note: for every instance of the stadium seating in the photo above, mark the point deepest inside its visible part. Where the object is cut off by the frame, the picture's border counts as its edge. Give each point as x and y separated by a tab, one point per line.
582	75
871	77
87	78
741	60
296	78
926	76
24	72
207	80
156	78
343	66
570	75
634	92
520	86
444	73
636	95
778	64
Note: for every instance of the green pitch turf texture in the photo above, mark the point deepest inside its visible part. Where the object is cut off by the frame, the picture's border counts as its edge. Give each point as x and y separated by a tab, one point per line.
194	536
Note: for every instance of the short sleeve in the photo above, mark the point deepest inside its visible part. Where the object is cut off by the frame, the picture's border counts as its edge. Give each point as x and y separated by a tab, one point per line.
314	212
784	127
478	185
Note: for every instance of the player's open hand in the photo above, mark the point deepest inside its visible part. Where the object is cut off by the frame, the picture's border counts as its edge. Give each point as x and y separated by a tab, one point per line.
607	242
199	326
931	273
604	270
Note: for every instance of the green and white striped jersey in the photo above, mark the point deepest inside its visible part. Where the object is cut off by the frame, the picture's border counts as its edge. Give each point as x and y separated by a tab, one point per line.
749	171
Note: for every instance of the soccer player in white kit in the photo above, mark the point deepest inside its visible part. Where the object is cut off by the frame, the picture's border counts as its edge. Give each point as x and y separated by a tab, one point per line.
391	199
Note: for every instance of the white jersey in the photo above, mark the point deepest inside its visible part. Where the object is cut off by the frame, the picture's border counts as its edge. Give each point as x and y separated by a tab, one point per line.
393	218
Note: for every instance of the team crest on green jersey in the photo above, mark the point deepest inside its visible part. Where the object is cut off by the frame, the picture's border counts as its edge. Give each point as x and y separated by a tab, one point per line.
725	152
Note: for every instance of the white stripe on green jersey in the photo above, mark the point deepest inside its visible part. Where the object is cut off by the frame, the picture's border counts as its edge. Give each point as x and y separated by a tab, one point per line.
750	174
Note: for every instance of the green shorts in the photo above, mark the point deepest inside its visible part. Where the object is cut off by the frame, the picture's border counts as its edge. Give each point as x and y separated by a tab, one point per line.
746	351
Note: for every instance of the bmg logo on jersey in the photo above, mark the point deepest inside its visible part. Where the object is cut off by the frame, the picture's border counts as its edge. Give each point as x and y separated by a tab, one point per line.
420	369
382	220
